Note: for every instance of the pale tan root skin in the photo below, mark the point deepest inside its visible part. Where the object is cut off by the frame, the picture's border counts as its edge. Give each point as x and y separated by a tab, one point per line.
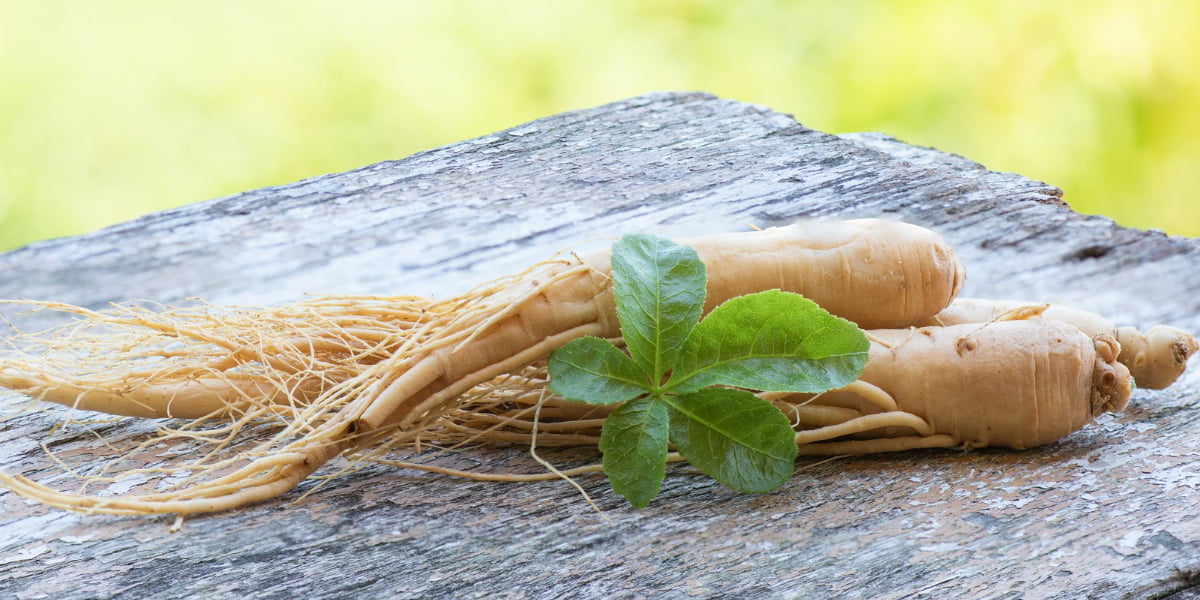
874	272
1155	358
1015	384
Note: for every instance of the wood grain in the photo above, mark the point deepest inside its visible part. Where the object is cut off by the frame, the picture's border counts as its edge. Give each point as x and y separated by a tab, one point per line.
1109	513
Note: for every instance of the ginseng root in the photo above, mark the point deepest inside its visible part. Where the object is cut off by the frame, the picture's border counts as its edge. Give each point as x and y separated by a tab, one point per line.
876	273
1015	384
340	374
1155	358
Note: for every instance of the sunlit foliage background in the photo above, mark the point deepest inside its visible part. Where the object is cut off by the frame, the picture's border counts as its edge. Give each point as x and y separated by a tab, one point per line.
112	109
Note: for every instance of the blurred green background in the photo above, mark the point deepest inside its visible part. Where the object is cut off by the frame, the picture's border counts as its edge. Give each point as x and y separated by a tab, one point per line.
113	109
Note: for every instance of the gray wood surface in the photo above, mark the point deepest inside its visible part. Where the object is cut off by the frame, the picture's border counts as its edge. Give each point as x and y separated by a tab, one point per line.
1109	513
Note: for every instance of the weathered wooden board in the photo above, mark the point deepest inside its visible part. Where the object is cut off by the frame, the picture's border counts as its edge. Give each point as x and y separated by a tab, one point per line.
1109	513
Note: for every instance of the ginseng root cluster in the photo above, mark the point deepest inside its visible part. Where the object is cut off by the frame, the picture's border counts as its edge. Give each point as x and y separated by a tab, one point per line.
263	397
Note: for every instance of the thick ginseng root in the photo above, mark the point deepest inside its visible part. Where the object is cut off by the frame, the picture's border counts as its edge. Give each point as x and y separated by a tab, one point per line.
1014	384
1155	358
876	273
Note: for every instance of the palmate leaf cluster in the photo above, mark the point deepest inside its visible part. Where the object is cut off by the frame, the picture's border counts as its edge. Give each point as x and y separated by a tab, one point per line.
684	381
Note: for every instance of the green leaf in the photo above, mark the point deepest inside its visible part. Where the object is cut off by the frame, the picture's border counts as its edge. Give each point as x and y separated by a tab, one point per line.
734	437
592	370
771	341
634	443
659	289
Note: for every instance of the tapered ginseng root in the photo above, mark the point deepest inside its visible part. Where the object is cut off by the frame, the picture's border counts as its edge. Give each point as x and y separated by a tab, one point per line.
1015	384
338	374
873	272
1155	358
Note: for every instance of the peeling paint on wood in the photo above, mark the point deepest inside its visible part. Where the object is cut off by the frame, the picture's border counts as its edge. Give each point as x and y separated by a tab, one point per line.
1109	513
